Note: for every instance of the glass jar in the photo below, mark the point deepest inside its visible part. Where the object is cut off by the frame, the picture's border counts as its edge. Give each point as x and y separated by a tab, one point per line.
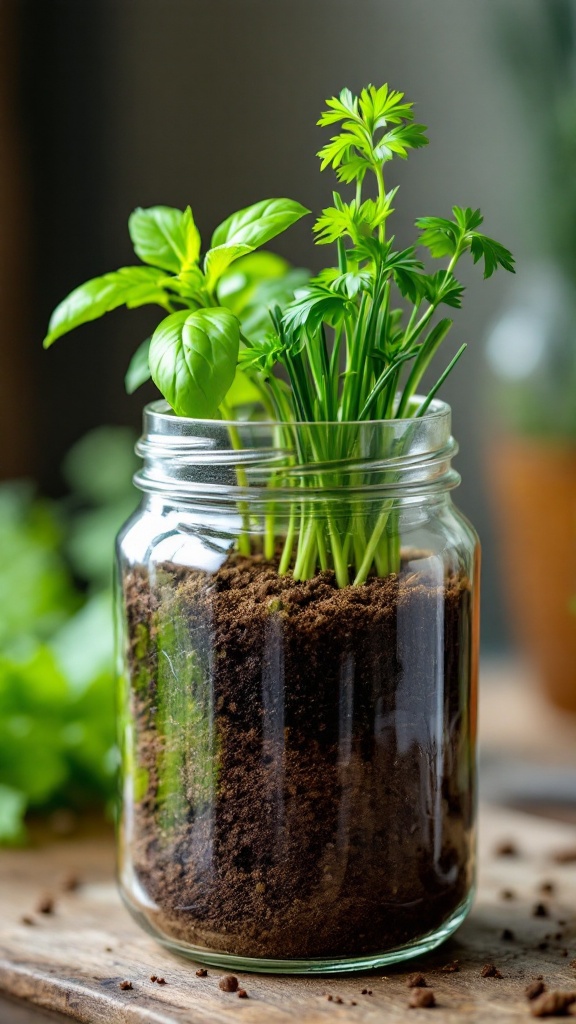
298	747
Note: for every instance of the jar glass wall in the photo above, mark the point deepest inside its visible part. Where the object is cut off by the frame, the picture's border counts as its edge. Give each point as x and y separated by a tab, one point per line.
298	750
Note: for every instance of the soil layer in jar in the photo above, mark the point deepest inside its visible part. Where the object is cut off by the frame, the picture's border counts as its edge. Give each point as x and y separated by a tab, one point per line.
302	757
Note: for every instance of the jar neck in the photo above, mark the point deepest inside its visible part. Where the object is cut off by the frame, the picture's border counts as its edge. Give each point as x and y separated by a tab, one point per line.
216	463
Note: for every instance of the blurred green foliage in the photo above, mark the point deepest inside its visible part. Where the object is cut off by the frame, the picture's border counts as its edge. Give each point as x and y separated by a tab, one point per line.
57	742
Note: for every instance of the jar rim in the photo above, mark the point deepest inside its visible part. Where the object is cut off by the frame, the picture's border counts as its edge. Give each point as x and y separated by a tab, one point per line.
262	460
162	411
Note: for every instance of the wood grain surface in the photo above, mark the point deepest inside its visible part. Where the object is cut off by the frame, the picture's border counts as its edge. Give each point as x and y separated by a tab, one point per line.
74	959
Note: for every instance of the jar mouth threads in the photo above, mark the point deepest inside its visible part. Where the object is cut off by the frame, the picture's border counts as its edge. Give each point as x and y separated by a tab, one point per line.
254	461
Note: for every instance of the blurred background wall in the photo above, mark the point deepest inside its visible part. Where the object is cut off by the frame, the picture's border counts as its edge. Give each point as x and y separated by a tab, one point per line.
110	104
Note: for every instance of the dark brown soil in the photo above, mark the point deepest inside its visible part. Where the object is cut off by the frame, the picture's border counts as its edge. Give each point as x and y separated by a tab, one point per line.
416	981
421	999
535	989
490	971
303	758
45	905
229	983
553	1004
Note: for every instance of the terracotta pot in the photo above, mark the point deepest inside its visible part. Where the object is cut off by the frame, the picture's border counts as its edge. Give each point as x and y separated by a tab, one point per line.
533	487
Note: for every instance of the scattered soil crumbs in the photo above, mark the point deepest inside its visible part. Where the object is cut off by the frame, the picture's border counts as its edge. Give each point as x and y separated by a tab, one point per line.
490	971
26	919
535	989
125	985
421	998
70	883
229	983
201	972
507	894
540	910
45	905
507	935
507	848
451	968
553	1004
416	981
566	856
287	767
242	993
548	888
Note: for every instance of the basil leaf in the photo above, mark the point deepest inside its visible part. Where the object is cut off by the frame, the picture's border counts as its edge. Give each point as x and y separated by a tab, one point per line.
189	285
257	224
165	237
217	260
242	391
138	371
237	286
129	286
193	359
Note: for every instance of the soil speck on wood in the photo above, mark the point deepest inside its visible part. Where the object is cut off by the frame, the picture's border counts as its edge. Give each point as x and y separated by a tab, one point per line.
534	989
421	999
553	1004
70	882
507	894
451	968
229	983
565	856
507	848
416	981
45	905
548	888
490	971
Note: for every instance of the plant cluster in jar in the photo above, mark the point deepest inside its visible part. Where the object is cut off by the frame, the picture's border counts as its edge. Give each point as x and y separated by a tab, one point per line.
349	345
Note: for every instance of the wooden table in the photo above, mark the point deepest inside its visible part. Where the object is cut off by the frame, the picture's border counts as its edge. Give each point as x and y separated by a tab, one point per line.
75	959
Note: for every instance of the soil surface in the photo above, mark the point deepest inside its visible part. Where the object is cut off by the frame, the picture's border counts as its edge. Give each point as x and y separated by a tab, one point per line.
303	764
